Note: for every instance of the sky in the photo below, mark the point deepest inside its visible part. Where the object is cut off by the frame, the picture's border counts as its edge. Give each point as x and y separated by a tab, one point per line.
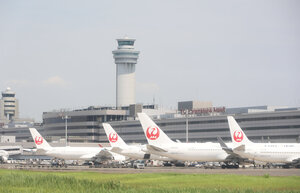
58	54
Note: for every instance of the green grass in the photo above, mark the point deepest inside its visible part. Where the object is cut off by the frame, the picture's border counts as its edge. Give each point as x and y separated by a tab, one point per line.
36	181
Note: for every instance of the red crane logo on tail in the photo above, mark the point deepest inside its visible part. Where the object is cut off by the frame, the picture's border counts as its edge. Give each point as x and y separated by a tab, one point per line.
152	133
113	137
38	140
238	136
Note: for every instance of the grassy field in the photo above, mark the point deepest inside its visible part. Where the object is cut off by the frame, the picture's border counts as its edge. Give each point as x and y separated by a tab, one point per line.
33	181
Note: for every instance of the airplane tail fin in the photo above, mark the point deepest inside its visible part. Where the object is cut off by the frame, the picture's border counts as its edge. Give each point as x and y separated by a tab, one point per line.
114	139
154	135
39	141
238	137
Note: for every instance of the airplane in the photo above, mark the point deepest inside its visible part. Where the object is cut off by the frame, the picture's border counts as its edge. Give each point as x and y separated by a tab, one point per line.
131	151
70	153
284	153
6	151
159	143
3	156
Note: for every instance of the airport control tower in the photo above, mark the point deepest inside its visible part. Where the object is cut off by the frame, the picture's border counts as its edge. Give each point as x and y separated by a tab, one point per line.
125	58
9	105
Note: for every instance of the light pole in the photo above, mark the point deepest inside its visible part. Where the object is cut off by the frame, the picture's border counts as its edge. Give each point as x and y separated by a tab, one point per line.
66	117
187	126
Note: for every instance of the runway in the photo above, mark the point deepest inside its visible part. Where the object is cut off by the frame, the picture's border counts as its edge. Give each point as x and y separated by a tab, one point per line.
181	170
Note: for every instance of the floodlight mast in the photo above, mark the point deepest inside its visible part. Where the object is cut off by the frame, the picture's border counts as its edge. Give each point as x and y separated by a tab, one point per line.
66	117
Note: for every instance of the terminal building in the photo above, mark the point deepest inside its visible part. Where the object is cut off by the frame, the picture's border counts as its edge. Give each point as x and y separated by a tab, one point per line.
261	124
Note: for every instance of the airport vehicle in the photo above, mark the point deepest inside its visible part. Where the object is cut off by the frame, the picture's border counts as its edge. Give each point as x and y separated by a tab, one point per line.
287	153
69	153
159	143
132	151
139	164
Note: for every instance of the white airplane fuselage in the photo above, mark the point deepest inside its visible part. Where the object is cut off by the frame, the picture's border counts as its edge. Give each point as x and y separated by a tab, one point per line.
67	152
73	153
203	152
271	152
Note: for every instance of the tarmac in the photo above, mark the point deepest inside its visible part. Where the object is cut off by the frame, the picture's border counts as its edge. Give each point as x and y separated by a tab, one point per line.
181	170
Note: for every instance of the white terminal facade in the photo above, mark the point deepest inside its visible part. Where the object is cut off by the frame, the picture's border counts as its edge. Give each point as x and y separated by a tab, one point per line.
125	58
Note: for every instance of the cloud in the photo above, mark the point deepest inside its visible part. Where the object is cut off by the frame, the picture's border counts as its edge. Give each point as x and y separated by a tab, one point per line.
55	81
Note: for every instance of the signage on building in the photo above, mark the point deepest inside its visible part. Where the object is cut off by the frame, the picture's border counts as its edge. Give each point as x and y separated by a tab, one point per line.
205	110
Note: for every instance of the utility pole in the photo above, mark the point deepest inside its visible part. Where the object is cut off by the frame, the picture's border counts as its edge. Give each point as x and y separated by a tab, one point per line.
187	126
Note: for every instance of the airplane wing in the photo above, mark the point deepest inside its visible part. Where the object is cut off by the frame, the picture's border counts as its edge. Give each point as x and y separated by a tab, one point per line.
30	150
234	157
102	155
88	156
116	149
224	146
239	148
12	150
155	148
